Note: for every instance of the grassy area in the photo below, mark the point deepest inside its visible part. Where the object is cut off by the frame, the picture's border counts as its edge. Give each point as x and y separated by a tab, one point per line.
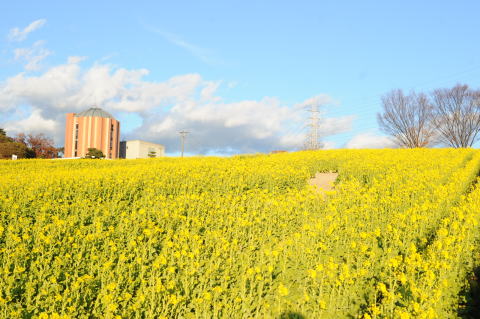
239	237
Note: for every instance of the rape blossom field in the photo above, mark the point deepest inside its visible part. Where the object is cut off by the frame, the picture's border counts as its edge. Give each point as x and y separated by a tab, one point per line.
240	237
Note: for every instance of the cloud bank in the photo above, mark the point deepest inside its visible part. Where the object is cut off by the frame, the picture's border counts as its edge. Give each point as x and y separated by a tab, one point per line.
182	102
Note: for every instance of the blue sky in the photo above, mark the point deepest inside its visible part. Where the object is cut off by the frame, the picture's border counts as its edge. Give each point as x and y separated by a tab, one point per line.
256	62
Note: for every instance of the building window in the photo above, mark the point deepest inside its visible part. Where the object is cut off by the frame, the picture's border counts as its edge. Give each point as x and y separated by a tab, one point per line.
111	138
76	140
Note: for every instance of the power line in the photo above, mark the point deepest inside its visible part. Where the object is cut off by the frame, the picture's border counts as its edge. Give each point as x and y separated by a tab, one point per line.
372	102
366	106
183	134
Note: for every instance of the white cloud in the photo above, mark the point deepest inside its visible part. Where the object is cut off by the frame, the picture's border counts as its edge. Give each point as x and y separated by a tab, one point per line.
16	34
181	102
32	56
292	141
35	123
203	54
208	92
318	100
76	59
52	90
335	125
370	140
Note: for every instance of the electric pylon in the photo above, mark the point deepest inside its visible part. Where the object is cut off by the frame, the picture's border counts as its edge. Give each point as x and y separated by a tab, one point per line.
313	136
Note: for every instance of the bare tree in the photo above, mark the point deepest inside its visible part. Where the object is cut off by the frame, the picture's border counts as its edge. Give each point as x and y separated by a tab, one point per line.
40	144
407	118
8	147
457	115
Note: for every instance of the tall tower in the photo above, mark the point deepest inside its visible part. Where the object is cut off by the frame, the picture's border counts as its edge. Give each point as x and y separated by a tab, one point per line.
93	128
313	137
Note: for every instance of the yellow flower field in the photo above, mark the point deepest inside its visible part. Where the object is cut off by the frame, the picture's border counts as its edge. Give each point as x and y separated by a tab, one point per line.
240	237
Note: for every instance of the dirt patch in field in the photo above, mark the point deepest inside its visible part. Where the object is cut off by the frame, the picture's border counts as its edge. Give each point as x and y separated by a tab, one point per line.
323	181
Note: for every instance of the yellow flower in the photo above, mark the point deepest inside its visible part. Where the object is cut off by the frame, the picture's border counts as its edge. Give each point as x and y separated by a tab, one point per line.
322	304
312	273
282	290
207	295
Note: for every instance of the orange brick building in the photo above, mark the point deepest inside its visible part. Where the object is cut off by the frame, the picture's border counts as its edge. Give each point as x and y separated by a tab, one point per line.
93	128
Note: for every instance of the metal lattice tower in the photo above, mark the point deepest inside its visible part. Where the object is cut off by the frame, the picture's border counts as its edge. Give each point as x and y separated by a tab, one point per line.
313	136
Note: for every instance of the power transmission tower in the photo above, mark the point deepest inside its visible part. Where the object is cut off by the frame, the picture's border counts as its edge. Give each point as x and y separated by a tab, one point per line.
313	137
183	134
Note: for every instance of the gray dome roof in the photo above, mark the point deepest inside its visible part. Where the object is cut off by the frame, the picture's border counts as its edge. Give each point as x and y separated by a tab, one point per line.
95	111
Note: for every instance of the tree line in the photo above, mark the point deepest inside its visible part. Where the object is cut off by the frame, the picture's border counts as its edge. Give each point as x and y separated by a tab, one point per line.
27	146
449	116
35	146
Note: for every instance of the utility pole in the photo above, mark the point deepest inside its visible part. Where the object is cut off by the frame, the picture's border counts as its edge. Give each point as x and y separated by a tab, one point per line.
313	137
183	134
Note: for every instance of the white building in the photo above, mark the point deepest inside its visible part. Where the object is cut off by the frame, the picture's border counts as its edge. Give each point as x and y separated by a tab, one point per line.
140	149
